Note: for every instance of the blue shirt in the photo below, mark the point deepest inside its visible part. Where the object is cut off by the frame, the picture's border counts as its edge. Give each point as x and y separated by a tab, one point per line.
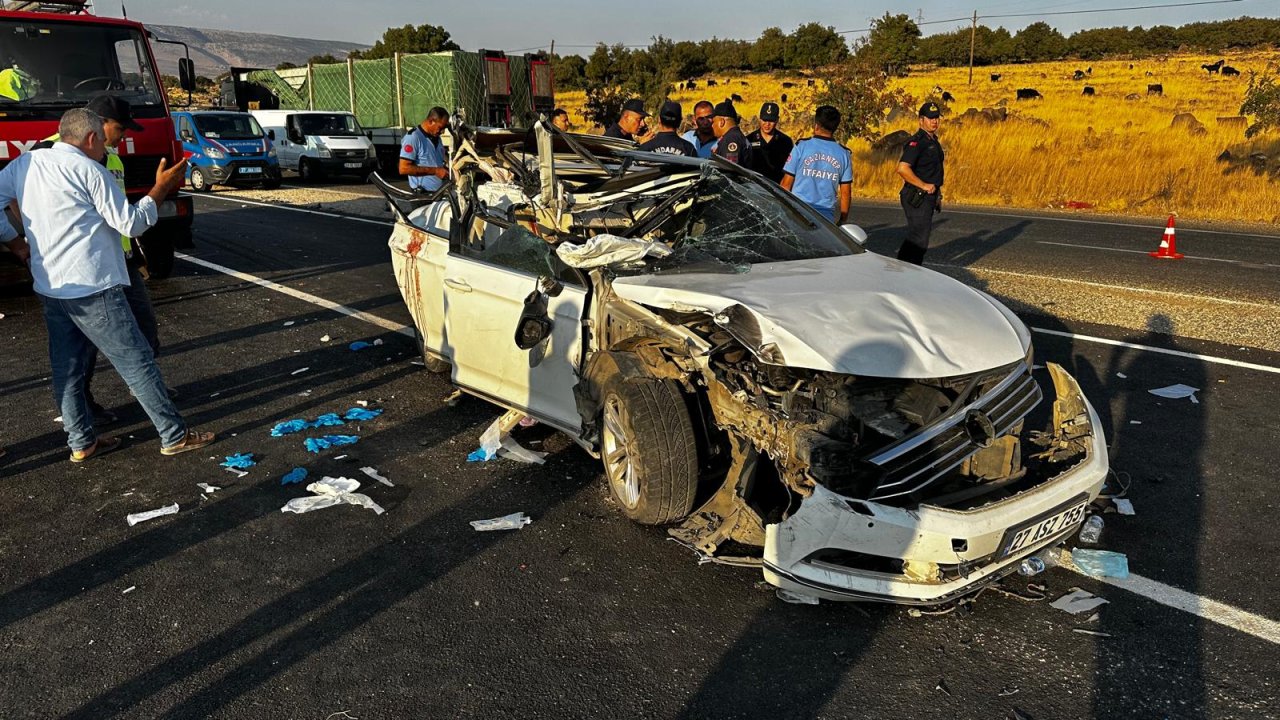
704	151
74	214
424	151
820	166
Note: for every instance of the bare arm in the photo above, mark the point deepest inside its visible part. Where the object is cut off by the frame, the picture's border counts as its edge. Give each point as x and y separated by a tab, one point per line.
408	169
846	192
906	173
788	181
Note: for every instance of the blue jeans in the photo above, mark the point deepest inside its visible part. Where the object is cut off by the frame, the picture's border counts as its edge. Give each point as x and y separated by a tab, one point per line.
104	320
140	303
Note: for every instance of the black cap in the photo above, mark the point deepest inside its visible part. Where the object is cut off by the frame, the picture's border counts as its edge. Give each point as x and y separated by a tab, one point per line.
930	110
110	107
671	113
725	109
635	105
769	112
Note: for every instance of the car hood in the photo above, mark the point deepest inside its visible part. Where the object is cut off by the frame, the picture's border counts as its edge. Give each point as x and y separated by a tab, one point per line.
859	314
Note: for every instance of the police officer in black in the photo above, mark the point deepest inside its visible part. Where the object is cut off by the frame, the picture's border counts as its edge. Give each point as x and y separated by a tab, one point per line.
921	169
732	145
631	124
770	147
666	141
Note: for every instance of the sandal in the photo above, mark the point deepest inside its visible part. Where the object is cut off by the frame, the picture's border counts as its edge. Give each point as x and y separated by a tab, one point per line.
193	440
101	446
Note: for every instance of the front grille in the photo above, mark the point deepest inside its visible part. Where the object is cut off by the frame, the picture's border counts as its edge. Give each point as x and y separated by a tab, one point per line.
349	154
140	170
918	460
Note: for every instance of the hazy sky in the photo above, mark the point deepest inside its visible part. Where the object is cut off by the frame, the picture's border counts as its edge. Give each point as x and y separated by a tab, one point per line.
520	24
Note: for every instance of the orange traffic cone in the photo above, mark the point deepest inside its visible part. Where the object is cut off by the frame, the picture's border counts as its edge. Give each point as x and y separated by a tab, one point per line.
1168	244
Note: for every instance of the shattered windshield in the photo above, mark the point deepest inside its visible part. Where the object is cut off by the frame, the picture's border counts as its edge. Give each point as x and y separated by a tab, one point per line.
729	222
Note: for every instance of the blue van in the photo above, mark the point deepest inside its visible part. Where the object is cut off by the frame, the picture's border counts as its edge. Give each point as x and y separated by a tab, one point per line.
226	148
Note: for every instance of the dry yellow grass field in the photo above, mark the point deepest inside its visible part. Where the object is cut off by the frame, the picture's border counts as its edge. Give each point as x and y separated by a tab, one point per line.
1120	156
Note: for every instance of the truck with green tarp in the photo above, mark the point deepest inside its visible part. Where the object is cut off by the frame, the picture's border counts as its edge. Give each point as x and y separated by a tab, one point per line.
388	96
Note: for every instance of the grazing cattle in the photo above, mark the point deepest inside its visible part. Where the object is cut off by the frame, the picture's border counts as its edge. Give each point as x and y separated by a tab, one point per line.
1213	67
1156	89
1077	75
948	97
810	82
691	85
784	97
1149	73
1029	94
711	83
743	82
1130	66
1088	90
1132	96
995	77
1229	71
788	85
735	98
1089	69
937	90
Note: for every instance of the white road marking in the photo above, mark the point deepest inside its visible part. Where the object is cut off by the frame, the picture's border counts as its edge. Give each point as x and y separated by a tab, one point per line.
288	208
1161	351
305	297
1144	252
1169	293
1212	610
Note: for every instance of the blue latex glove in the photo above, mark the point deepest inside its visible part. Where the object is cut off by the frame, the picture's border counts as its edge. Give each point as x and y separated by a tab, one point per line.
289	427
240	461
359	345
294	476
327	420
315	445
357	414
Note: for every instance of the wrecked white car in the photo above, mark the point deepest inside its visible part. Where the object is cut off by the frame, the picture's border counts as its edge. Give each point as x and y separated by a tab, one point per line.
857	427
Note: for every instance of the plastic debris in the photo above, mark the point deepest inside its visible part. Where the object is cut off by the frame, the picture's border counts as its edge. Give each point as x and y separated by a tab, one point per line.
288	323
237	473
1177	392
377	342
605	249
1096	633
362	403
1078	601
1031	566
1101	563
239	461
374	474
514	521
129	589
495	440
358	345
490	441
1124	506
1122	376
1091	530
289	427
136	518
294	476
527	422
339	457
209	488
356	414
326	420
942	686
329	492
315	445
299	371
324	339
795	598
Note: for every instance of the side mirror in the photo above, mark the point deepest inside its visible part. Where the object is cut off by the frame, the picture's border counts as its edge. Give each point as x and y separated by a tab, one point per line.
534	325
186	74
271	134
858	234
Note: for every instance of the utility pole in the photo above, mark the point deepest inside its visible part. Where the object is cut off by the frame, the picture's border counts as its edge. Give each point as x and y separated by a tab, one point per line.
973	34
553	51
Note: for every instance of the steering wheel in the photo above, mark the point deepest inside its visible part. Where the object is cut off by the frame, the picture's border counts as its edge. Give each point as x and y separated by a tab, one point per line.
110	84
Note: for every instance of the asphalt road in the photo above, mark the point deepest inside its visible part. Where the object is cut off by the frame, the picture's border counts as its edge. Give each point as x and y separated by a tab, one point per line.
234	609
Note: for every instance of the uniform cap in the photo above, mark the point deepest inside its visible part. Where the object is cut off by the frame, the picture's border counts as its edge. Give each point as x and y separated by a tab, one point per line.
930	110
110	107
725	109
671	113
635	105
769	112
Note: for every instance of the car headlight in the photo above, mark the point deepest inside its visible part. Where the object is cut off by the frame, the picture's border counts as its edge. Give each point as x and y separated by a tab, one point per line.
324	153
370	152
215	153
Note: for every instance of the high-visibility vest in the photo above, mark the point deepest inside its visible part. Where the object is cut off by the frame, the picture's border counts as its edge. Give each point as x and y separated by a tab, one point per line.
18	84
115	166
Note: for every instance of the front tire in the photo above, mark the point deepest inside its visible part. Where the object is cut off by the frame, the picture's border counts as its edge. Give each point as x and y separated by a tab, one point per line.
199	183
649	449
307	171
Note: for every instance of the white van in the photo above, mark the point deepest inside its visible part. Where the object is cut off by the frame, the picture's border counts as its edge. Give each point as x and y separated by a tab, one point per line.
315	143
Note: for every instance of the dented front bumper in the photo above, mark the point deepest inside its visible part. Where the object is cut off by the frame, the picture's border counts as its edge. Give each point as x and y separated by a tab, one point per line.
840	548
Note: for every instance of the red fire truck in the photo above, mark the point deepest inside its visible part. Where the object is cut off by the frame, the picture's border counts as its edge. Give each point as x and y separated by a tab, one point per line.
58	55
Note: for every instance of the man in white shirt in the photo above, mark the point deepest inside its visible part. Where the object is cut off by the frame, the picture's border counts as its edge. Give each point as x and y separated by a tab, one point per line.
74	213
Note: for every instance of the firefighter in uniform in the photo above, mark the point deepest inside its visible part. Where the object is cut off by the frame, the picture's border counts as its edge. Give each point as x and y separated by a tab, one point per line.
921	170
666	140
422	156
770	146
731	144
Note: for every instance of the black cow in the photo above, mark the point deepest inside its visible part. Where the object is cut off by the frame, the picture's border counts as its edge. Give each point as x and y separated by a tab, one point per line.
1088	90
948	97
1029	94
1089	69
711	83
736	98
784	97
810	82
1213	67
1156	89
788	85
691	85
1077	75
1229	71
743	82
995	77
1130	66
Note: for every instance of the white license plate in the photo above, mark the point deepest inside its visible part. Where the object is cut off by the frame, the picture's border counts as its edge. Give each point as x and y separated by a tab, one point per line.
251	170
351	165
1050	524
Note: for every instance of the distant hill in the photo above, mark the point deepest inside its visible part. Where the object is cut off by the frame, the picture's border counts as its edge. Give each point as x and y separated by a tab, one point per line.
213	51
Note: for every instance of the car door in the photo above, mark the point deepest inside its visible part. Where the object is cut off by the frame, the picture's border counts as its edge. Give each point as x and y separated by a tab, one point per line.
486	282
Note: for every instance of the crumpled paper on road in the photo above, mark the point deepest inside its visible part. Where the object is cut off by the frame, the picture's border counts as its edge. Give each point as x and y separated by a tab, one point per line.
329	492
136	518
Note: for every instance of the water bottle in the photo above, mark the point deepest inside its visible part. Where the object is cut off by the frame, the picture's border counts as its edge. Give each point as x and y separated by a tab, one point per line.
1031	566
1091	531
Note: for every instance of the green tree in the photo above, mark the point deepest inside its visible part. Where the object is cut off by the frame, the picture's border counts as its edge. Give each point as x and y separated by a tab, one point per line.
409	39
1038	41
813	45
724	54
769	51
859	89
1262	101
688	60
327	59
569	71
286	66
891	44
